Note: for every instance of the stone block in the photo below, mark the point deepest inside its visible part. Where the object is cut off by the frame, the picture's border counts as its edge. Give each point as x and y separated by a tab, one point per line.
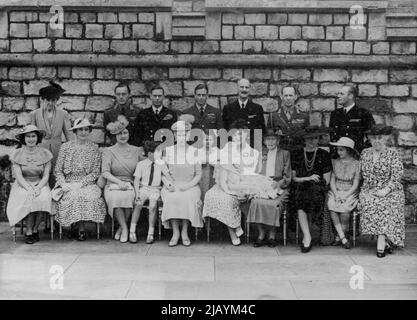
206	73
361	47
380	48
342	47
316	119
319	47
403	122
146	17
244	32
405	106
99	103
402	47
183	6
205	46
308	89
373	75
70	17
375	105
64	72
172	88
266	32
259	89
413	89
323	105
126	73
102	87
21	73
303	105
406	76
277	18
23	16
227	32
4	45
355	34
13	103
142	31
391	90
11	88
72	103
377	26
107	17
46	72
295	74
180	46
232	74
128	17
233	18
340	18
407	139
277	46
138	89
82	45
199	6
257	74
179	73
82	73
367	90
124	46
231	46
267	103
105	73
189	87
37	30
321	19
76	87
55	33
334	33
299	47
23	118
18	30
297	18
330	89
42	45
113	31
7	119
334	75
214	26
88	17
94	31
252	46
151	46
290	32
163	25
21	45
255	18
311	33
73	30
104	45
154	73
222	88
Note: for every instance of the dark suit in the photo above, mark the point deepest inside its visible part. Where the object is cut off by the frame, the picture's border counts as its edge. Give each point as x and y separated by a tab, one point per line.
147	123
212	118
352	125
130	111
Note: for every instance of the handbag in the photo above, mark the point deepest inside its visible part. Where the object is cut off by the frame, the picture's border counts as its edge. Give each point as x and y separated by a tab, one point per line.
57	193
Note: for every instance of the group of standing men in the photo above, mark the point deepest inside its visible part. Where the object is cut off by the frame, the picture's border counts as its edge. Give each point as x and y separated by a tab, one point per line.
348	119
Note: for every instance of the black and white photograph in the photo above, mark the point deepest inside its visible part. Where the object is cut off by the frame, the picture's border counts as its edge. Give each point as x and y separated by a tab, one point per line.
215	152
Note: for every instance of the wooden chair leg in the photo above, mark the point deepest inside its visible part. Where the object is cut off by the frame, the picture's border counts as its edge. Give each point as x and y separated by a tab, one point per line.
247	231
46	221
284	227
98	231
196	234
296	231
14	233
112	227
51	218
21	226
60	232
208	228
159	223
354	230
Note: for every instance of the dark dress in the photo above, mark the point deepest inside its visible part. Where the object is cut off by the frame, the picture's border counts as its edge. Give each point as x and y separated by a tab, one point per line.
309	196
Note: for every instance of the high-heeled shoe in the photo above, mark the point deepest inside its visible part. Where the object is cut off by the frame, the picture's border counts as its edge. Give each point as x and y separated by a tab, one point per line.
132	237
124	237
239	232
173	242
306	249
118	234
388	249
236	242
380	254
345	245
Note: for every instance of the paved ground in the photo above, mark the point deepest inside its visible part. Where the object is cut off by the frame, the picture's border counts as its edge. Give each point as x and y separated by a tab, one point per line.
107	269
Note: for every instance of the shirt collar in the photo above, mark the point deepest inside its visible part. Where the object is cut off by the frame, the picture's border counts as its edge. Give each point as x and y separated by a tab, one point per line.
348	108
243	102
159	109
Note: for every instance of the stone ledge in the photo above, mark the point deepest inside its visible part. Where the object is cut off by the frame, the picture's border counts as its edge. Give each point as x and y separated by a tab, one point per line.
88	5
293	5
224	60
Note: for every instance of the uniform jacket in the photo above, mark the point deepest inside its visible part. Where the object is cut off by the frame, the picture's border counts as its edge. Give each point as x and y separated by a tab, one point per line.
253	114
212	118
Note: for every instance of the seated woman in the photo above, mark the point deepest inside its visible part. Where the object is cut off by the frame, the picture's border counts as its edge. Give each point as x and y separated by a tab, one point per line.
181	192
266	212
77	170
118	165
381	200
311	175
344	187
30	193
235	180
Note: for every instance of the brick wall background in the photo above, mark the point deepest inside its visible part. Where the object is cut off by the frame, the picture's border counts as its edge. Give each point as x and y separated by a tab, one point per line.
193	43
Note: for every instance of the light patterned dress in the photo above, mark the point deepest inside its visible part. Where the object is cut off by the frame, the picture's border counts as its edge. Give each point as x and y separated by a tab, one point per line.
382	215
79	164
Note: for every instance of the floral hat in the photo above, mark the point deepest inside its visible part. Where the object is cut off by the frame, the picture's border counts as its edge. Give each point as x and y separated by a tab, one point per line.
117	126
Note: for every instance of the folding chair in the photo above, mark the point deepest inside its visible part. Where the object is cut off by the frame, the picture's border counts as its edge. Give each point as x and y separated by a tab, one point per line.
51	217
97	226
355	213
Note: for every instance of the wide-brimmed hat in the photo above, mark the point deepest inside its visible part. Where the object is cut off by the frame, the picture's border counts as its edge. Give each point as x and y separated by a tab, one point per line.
27	129
117	126
81	123
269	132
51	92
346	143
311	132
380	129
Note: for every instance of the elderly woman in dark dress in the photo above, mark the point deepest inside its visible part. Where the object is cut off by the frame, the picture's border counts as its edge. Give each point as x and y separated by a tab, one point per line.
381	200
311	175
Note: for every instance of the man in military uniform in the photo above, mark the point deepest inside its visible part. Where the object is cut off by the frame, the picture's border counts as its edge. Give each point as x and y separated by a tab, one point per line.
289	119
246	109
150	120
122	106
350	120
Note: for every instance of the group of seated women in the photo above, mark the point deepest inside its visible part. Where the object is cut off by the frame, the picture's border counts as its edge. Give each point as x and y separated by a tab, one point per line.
221	184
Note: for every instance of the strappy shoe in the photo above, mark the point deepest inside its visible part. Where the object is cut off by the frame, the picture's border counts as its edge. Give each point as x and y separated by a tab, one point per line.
132	237
236	242
118	234
186	242
259	243
380	254
29	239
149	238
306	249
124	238
173	242
239	232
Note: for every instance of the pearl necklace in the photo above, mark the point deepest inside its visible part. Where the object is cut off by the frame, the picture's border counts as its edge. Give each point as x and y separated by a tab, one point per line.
309	164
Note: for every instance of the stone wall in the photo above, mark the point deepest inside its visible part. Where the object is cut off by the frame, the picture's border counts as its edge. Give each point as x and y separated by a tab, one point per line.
182	43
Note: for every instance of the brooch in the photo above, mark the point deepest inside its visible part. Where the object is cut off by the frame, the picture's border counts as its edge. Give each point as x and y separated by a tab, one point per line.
168	117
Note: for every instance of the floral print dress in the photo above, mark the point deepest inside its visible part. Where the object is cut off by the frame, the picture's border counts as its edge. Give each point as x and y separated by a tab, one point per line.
382	215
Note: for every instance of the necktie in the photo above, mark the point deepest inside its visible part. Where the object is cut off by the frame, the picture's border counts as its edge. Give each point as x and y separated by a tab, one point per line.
157	112
151	174
201	112
242	105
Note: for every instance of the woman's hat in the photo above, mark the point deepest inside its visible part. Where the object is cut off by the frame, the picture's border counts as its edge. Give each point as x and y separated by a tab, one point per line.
27	129
380	129
345	142
118	126
81	123
311	132
273	133
51	92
